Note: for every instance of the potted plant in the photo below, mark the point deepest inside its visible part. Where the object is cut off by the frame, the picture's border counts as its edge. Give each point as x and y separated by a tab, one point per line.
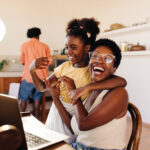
2	63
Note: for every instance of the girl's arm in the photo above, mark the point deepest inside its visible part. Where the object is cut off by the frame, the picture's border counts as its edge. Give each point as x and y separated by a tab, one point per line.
40	63
113	82
110	83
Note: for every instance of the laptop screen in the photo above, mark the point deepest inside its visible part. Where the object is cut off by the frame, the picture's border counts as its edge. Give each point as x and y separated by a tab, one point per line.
10	114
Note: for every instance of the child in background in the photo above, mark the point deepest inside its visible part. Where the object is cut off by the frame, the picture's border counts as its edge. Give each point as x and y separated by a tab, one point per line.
81	35
31	50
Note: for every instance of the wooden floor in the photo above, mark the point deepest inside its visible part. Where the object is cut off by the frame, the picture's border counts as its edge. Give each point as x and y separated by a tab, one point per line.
145	136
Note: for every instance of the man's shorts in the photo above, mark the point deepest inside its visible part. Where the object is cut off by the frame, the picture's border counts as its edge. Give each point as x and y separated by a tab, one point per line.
27	90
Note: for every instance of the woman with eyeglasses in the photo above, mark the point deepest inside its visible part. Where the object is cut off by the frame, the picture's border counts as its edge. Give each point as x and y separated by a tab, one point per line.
100	121
80	37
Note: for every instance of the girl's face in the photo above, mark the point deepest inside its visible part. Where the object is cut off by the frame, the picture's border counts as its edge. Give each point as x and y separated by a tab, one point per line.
77	51
101	63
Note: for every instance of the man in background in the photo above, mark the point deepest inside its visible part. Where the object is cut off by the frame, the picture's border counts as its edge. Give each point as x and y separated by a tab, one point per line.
31	50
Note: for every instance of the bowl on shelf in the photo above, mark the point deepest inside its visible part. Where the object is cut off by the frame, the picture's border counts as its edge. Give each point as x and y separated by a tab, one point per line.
137	47
116	26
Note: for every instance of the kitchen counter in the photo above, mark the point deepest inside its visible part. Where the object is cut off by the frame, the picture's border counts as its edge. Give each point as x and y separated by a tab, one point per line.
8	77
10	74
13	74
60	57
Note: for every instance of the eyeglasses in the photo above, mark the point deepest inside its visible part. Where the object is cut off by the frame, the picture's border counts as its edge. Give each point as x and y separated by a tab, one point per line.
107	58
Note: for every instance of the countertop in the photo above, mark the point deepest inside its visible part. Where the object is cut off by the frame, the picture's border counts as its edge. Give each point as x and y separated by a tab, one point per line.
10	74
13	74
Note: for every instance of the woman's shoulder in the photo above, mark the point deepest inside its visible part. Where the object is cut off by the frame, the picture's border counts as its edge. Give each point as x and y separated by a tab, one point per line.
118	93
118	96
119	90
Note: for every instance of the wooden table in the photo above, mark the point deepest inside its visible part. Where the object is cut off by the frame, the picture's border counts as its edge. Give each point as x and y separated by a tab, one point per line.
60	146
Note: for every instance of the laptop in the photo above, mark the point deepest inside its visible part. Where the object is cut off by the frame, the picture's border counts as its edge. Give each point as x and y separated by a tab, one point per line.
28	126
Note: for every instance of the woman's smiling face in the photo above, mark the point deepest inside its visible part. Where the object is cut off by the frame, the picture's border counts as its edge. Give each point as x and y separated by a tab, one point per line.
101	63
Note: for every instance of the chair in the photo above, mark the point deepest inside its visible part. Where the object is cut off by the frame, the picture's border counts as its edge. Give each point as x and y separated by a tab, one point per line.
14	91
134	140
10	137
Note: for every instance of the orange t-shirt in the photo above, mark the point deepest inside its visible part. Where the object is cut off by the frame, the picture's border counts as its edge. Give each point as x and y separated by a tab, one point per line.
31	50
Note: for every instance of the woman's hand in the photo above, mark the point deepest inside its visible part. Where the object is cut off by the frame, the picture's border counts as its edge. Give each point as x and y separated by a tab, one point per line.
77	93
54	90
68	83
39	63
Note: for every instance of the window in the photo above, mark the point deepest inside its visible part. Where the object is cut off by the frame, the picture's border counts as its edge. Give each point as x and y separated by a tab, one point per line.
2	30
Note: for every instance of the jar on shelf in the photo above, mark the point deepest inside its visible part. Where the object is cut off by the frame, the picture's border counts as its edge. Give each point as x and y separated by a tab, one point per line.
56	52
123	46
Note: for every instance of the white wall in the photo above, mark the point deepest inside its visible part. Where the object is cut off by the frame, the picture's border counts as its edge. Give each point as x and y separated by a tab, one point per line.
52	16
135	69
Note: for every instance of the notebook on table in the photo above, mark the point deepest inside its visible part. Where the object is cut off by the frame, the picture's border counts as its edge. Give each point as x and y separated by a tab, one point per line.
34	133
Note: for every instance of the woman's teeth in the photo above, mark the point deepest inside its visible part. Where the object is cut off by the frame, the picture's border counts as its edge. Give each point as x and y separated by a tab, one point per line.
99	69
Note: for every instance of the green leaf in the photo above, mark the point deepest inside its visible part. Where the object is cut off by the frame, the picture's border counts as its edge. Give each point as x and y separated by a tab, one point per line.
2	63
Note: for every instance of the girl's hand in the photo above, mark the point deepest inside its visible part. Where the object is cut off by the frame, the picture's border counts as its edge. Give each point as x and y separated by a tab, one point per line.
54	90
77	93
39	63
68	83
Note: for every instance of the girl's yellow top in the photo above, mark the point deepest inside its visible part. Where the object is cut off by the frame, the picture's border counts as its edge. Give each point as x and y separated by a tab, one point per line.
80	76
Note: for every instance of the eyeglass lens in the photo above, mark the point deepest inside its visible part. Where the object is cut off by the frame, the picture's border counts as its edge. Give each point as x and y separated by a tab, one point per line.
106	58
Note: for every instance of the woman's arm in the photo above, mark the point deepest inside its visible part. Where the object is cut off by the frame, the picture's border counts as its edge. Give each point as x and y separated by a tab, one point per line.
114	105
113	82
55	90
66	117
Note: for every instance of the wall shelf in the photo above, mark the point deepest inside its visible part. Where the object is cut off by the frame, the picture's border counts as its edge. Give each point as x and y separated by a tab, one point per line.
136	53
124	30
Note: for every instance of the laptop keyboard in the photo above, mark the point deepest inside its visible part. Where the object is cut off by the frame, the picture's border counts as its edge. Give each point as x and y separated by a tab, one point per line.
33	140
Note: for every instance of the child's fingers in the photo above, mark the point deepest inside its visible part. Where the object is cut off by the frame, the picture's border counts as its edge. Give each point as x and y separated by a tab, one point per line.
54	83
73	101
62	80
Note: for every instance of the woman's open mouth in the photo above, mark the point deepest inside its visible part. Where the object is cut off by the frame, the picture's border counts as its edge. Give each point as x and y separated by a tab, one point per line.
98	70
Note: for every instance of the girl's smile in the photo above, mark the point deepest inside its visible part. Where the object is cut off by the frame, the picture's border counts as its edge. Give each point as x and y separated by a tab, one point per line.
77	51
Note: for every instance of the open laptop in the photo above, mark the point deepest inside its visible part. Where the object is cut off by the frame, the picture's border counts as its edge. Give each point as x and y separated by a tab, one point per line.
10	114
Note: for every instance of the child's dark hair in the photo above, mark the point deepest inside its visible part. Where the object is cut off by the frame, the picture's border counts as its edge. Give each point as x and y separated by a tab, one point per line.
33	32
112	46
86	28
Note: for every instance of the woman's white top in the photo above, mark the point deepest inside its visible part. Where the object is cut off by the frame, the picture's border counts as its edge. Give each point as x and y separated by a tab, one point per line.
108	136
